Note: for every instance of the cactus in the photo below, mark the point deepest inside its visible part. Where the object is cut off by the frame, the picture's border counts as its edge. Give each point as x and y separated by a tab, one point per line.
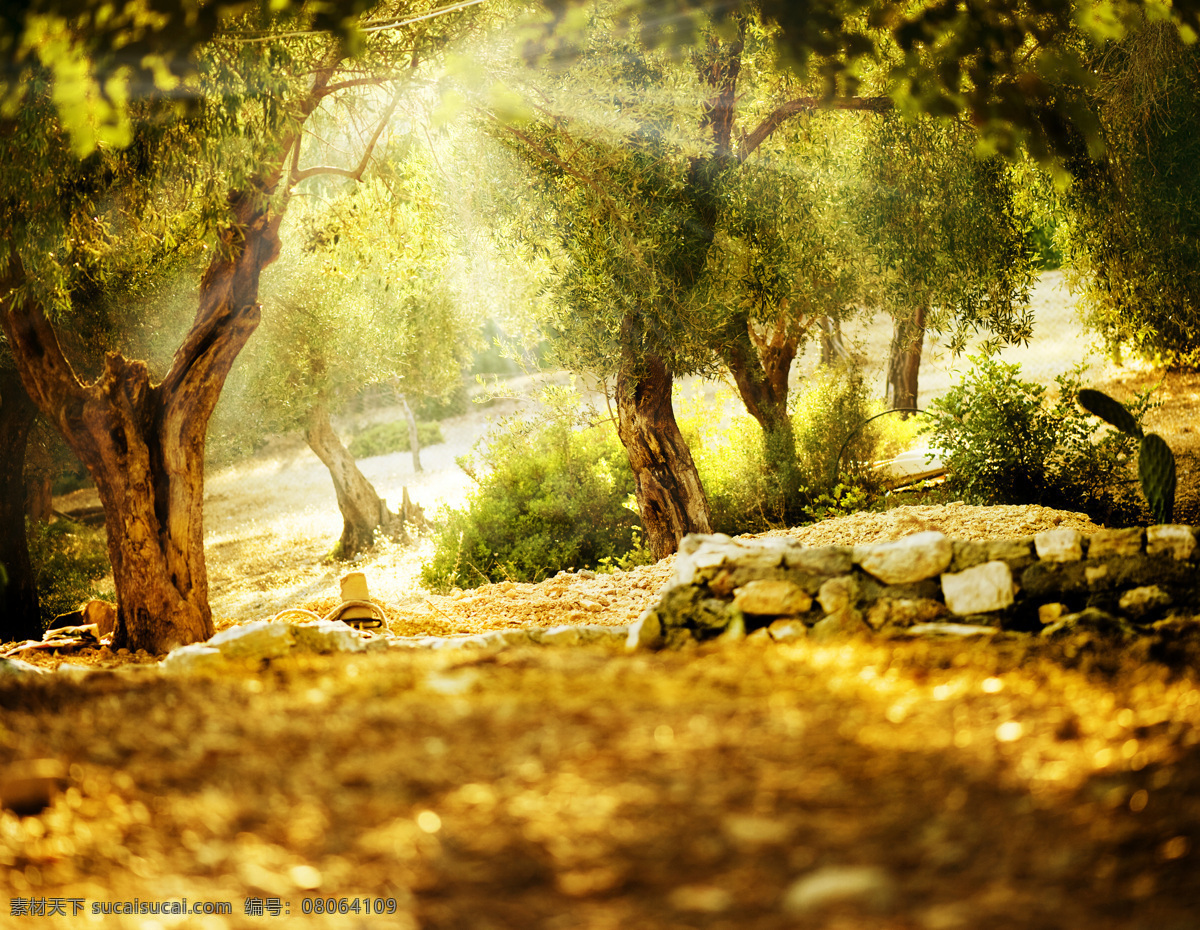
1156	463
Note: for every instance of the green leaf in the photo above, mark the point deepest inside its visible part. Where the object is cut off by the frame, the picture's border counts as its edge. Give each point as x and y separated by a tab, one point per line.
1156	468
1106	408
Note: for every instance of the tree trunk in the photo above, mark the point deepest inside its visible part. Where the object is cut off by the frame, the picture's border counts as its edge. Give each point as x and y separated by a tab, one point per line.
363	511
761	368
414	437
143	443
904	361
20	617
669	494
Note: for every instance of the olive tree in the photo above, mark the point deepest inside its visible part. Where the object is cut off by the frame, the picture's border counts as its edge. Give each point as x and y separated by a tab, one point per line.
229	156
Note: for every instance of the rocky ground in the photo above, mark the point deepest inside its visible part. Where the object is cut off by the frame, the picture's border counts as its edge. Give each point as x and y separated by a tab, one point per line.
907	784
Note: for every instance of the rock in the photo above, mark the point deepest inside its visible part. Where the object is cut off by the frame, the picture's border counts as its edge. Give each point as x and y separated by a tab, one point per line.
28	787
826	560
979	590
101	613
867	887
505	638
903	561
1059	545
15	668
1018	553
646	632
771	598
891	613
1142	601
735	630
326	636
194	658
1091	620
1104	543
846	622
786	631
561	636
968	553
701	899
260	640
838	593
948	630
1051	613
1178	540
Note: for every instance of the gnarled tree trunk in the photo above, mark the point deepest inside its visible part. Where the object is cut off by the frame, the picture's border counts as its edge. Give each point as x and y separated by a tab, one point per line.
143	443
904	361
20	617
669	494
363	511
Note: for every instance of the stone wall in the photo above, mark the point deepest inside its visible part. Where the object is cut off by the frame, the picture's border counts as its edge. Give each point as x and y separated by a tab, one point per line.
1114	581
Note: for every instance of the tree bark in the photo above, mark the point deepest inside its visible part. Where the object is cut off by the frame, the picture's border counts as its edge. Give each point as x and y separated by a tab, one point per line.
143	444
670	498
20	616
904	360
414	437
363	511
761	368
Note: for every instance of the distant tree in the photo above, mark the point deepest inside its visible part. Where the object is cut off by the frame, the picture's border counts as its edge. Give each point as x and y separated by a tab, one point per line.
363	298
948	238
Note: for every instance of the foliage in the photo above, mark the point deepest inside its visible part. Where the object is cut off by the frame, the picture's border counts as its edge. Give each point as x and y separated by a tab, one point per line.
1133	226
68	561
392	437
1003	443
1156	462
551	494
948	233
743	488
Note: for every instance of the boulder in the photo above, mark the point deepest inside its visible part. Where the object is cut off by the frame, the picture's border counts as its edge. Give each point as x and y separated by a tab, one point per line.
904	561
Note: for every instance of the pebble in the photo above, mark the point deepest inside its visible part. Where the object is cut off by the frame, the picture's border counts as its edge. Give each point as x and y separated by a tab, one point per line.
868	887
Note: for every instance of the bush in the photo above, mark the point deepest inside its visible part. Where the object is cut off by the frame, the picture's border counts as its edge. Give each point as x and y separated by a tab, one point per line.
392	437
744	488
68	561
1004	444
550	496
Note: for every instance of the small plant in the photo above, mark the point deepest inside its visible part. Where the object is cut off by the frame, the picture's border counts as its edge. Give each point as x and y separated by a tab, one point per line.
69	560
1156	463
552	494
392	437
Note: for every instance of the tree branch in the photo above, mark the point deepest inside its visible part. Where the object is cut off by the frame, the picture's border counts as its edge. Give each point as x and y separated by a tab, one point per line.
786	111
354	174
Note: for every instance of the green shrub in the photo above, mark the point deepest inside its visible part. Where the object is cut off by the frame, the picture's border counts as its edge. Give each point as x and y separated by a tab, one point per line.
439	408
745	490
68	560
392	437
1003	443
550	496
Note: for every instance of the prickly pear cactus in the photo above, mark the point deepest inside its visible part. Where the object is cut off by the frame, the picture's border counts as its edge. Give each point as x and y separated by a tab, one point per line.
1156	468
1156	463
1106	408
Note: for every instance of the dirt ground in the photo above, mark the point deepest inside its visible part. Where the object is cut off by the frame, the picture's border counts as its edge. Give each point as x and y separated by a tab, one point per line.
899	784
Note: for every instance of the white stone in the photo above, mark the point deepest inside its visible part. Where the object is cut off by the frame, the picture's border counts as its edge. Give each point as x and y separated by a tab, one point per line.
1173	538
1059	545
194	658
561	636
260	640
787	631
1105	543
867	886
904	561
767	596
646	632
17	668
837	593
327	636
951	630
1140	601
978	590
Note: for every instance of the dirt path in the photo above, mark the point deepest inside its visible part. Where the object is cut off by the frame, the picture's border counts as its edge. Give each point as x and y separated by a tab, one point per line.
899	785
